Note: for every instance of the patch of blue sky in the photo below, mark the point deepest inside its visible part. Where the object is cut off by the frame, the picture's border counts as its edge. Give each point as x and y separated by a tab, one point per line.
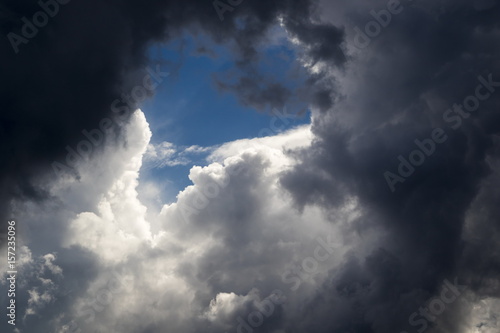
189	110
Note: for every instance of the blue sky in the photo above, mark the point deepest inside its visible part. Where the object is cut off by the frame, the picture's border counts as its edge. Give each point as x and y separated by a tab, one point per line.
188	109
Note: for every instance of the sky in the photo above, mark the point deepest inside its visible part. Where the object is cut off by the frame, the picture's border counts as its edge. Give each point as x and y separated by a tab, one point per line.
190	92
250	166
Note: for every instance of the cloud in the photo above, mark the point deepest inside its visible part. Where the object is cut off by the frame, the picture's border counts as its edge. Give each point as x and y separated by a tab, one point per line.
391	94
255	217
174	275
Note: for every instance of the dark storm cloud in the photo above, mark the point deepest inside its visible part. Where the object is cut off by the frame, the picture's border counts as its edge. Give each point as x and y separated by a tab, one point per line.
427	59
62	81
319	42
63	77
323	41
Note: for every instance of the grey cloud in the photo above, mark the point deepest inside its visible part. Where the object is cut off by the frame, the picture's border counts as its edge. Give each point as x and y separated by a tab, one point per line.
399	88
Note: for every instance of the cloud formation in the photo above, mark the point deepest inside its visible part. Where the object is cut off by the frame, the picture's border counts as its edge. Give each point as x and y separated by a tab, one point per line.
295	232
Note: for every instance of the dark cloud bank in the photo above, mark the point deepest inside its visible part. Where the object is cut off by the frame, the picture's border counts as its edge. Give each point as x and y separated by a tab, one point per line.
427	59
441	223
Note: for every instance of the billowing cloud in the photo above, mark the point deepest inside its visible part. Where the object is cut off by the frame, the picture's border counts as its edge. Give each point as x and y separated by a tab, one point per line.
205	266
